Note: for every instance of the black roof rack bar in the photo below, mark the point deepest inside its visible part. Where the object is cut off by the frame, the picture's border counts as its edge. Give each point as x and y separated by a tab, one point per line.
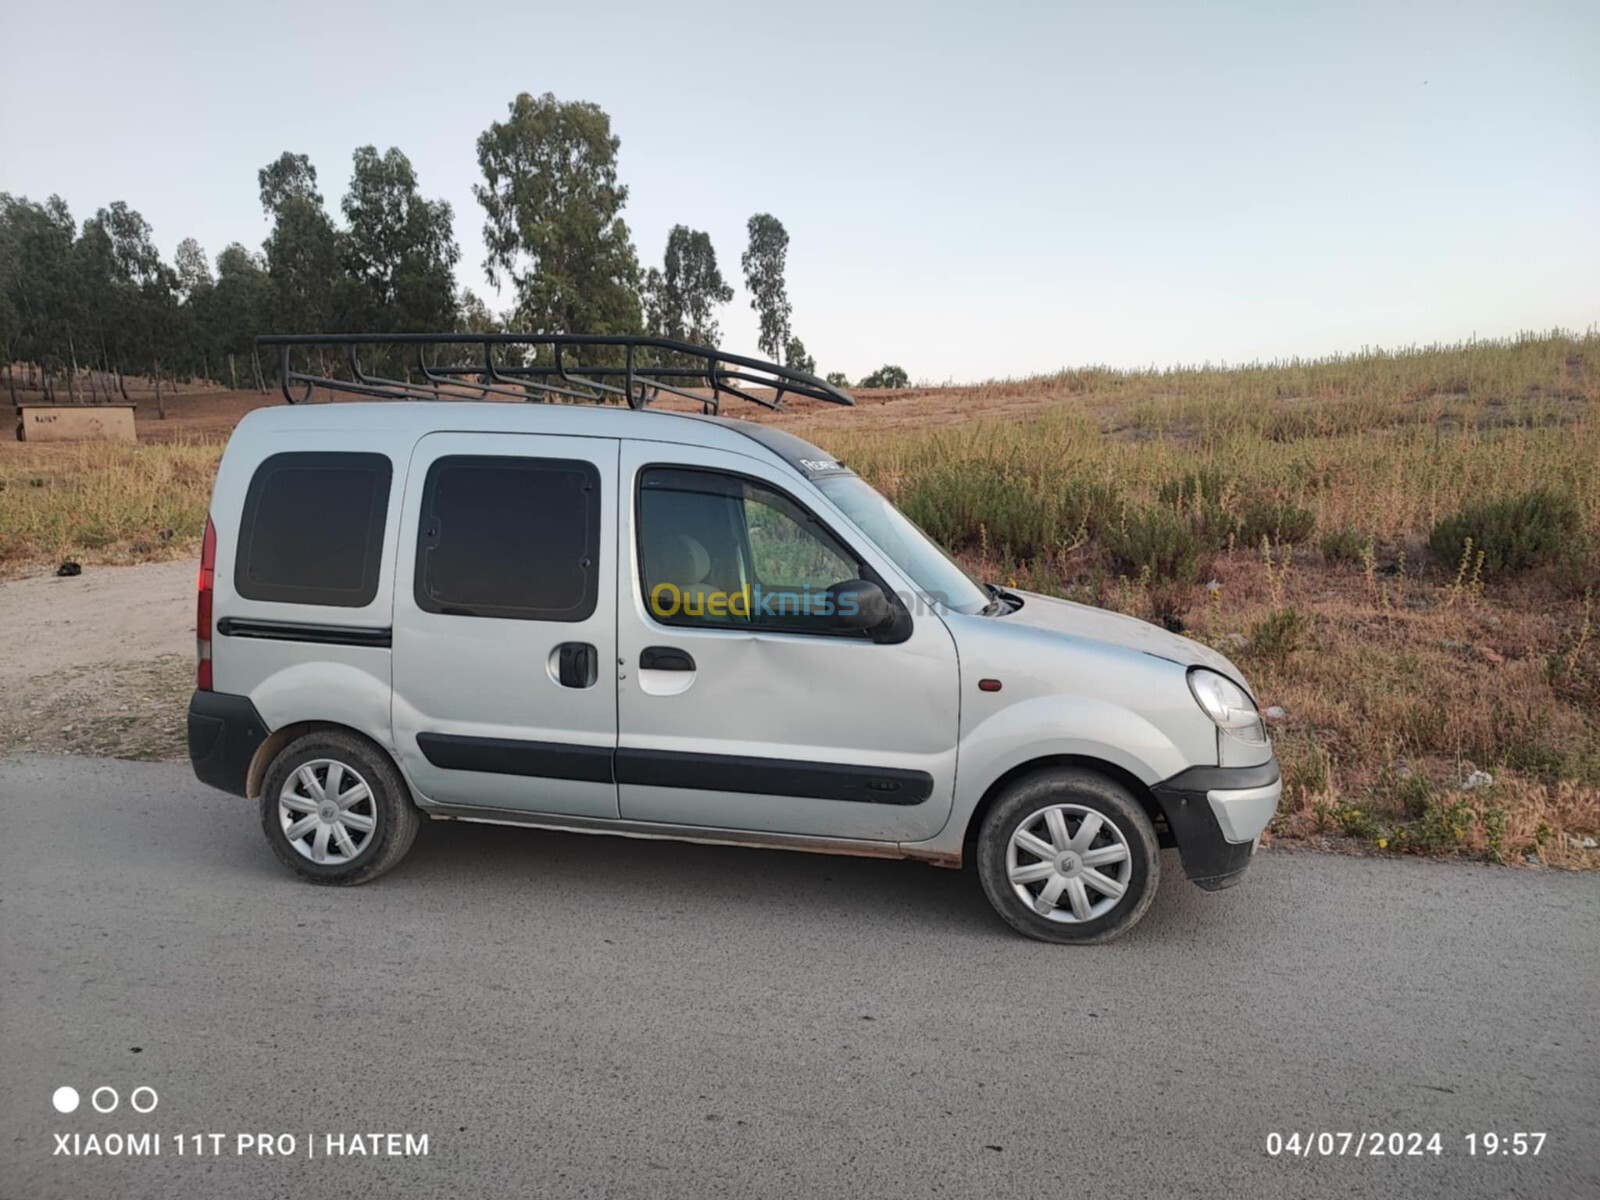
650	366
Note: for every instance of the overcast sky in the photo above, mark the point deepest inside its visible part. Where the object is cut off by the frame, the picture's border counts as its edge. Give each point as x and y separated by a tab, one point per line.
973	190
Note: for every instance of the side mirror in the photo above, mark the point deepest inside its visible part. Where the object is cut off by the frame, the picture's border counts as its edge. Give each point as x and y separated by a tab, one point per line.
862	604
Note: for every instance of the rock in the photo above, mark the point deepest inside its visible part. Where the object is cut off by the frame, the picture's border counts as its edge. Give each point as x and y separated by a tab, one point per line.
1274	713
1533	860
69	568
1590	844
1478	779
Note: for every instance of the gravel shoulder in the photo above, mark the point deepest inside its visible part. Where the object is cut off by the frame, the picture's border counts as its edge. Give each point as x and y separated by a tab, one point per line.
100	663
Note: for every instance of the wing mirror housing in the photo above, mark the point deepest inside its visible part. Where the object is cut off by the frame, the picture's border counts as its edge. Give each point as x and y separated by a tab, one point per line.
864	605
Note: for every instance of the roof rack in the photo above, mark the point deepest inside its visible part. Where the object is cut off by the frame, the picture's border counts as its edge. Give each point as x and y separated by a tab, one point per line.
544	366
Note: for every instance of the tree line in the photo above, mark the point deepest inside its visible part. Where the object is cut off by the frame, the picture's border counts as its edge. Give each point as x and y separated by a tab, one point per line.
83	306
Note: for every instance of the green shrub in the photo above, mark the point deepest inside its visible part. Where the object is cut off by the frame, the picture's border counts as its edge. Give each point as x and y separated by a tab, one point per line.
1443	826
1405	791
983	506
1280	633
1356	821
1343	545
1514	533
1276	520
1159	546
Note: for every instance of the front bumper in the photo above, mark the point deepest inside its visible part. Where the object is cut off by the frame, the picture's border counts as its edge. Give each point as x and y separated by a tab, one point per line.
1215	815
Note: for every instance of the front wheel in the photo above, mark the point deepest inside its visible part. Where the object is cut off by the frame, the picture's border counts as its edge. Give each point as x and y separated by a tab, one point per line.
1068	856
335	809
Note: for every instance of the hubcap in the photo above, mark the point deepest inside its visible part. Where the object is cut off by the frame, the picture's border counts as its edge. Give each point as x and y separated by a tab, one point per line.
327	811
1069	863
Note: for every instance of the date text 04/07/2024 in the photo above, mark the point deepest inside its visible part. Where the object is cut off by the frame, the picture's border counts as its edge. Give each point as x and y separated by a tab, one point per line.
1395	1144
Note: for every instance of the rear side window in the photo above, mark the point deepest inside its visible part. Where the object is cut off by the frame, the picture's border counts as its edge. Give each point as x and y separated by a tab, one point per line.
312	531
509	537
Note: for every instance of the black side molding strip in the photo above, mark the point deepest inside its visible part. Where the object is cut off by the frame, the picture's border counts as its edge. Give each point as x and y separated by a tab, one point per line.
773	776
666	768
300	631
509	756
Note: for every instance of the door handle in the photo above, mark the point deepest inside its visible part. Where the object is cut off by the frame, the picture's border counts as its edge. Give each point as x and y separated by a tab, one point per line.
665	658
577	664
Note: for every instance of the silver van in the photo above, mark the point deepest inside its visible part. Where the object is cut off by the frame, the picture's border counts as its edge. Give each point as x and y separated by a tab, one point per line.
609	618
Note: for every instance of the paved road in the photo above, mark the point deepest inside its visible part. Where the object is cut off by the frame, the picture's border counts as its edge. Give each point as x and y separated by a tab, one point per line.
578	1016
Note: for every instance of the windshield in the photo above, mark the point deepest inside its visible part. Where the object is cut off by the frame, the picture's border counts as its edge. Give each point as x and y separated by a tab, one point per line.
930	568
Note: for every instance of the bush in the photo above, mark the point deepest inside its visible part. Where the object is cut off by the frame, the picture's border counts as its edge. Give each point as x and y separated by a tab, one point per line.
1280	633
1444	825
1276	520
1161	547
1513	533
983	506
1343	545
1407	792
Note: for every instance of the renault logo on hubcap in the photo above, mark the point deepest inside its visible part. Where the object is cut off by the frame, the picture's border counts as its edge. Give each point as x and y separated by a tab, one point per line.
328	811
1068	864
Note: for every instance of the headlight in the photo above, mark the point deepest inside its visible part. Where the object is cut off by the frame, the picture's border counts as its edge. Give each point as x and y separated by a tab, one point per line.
1226	703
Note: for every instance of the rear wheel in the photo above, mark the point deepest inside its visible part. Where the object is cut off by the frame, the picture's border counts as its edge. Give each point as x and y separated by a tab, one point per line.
1068	856
335	809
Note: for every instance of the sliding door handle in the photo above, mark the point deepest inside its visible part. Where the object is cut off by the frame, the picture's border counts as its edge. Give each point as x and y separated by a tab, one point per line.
577	665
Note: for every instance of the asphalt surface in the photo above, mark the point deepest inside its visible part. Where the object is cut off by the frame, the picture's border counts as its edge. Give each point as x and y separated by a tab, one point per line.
581	1016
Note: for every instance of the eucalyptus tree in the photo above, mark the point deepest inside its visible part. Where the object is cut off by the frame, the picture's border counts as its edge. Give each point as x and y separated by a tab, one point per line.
399	246
553	218
764	261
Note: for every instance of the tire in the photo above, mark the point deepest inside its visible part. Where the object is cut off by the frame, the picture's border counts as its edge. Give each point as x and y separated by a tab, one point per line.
295	798
1083	906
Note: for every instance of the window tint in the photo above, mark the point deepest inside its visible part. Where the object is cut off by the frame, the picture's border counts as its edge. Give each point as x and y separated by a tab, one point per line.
312	530
509	537
721	550
784	551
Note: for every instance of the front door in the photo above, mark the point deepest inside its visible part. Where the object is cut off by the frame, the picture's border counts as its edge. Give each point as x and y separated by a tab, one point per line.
740	703
505	622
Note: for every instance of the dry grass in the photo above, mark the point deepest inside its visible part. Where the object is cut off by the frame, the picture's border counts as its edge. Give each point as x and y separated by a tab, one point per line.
102	502
1399	676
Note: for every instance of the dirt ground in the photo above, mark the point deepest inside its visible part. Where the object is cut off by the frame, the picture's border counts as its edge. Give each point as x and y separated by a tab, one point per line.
98	664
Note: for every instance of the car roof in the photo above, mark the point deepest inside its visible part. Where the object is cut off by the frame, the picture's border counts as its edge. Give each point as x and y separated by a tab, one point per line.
420	417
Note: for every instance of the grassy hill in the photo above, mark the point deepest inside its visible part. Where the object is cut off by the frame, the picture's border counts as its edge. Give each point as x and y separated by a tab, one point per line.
1402	551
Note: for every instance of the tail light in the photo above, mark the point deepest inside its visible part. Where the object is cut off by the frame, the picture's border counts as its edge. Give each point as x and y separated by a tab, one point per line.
202	608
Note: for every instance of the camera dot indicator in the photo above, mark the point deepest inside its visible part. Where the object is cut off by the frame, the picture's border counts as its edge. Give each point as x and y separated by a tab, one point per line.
65	1099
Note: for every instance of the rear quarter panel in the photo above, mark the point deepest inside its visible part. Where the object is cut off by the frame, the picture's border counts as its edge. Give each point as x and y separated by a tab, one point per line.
291	681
